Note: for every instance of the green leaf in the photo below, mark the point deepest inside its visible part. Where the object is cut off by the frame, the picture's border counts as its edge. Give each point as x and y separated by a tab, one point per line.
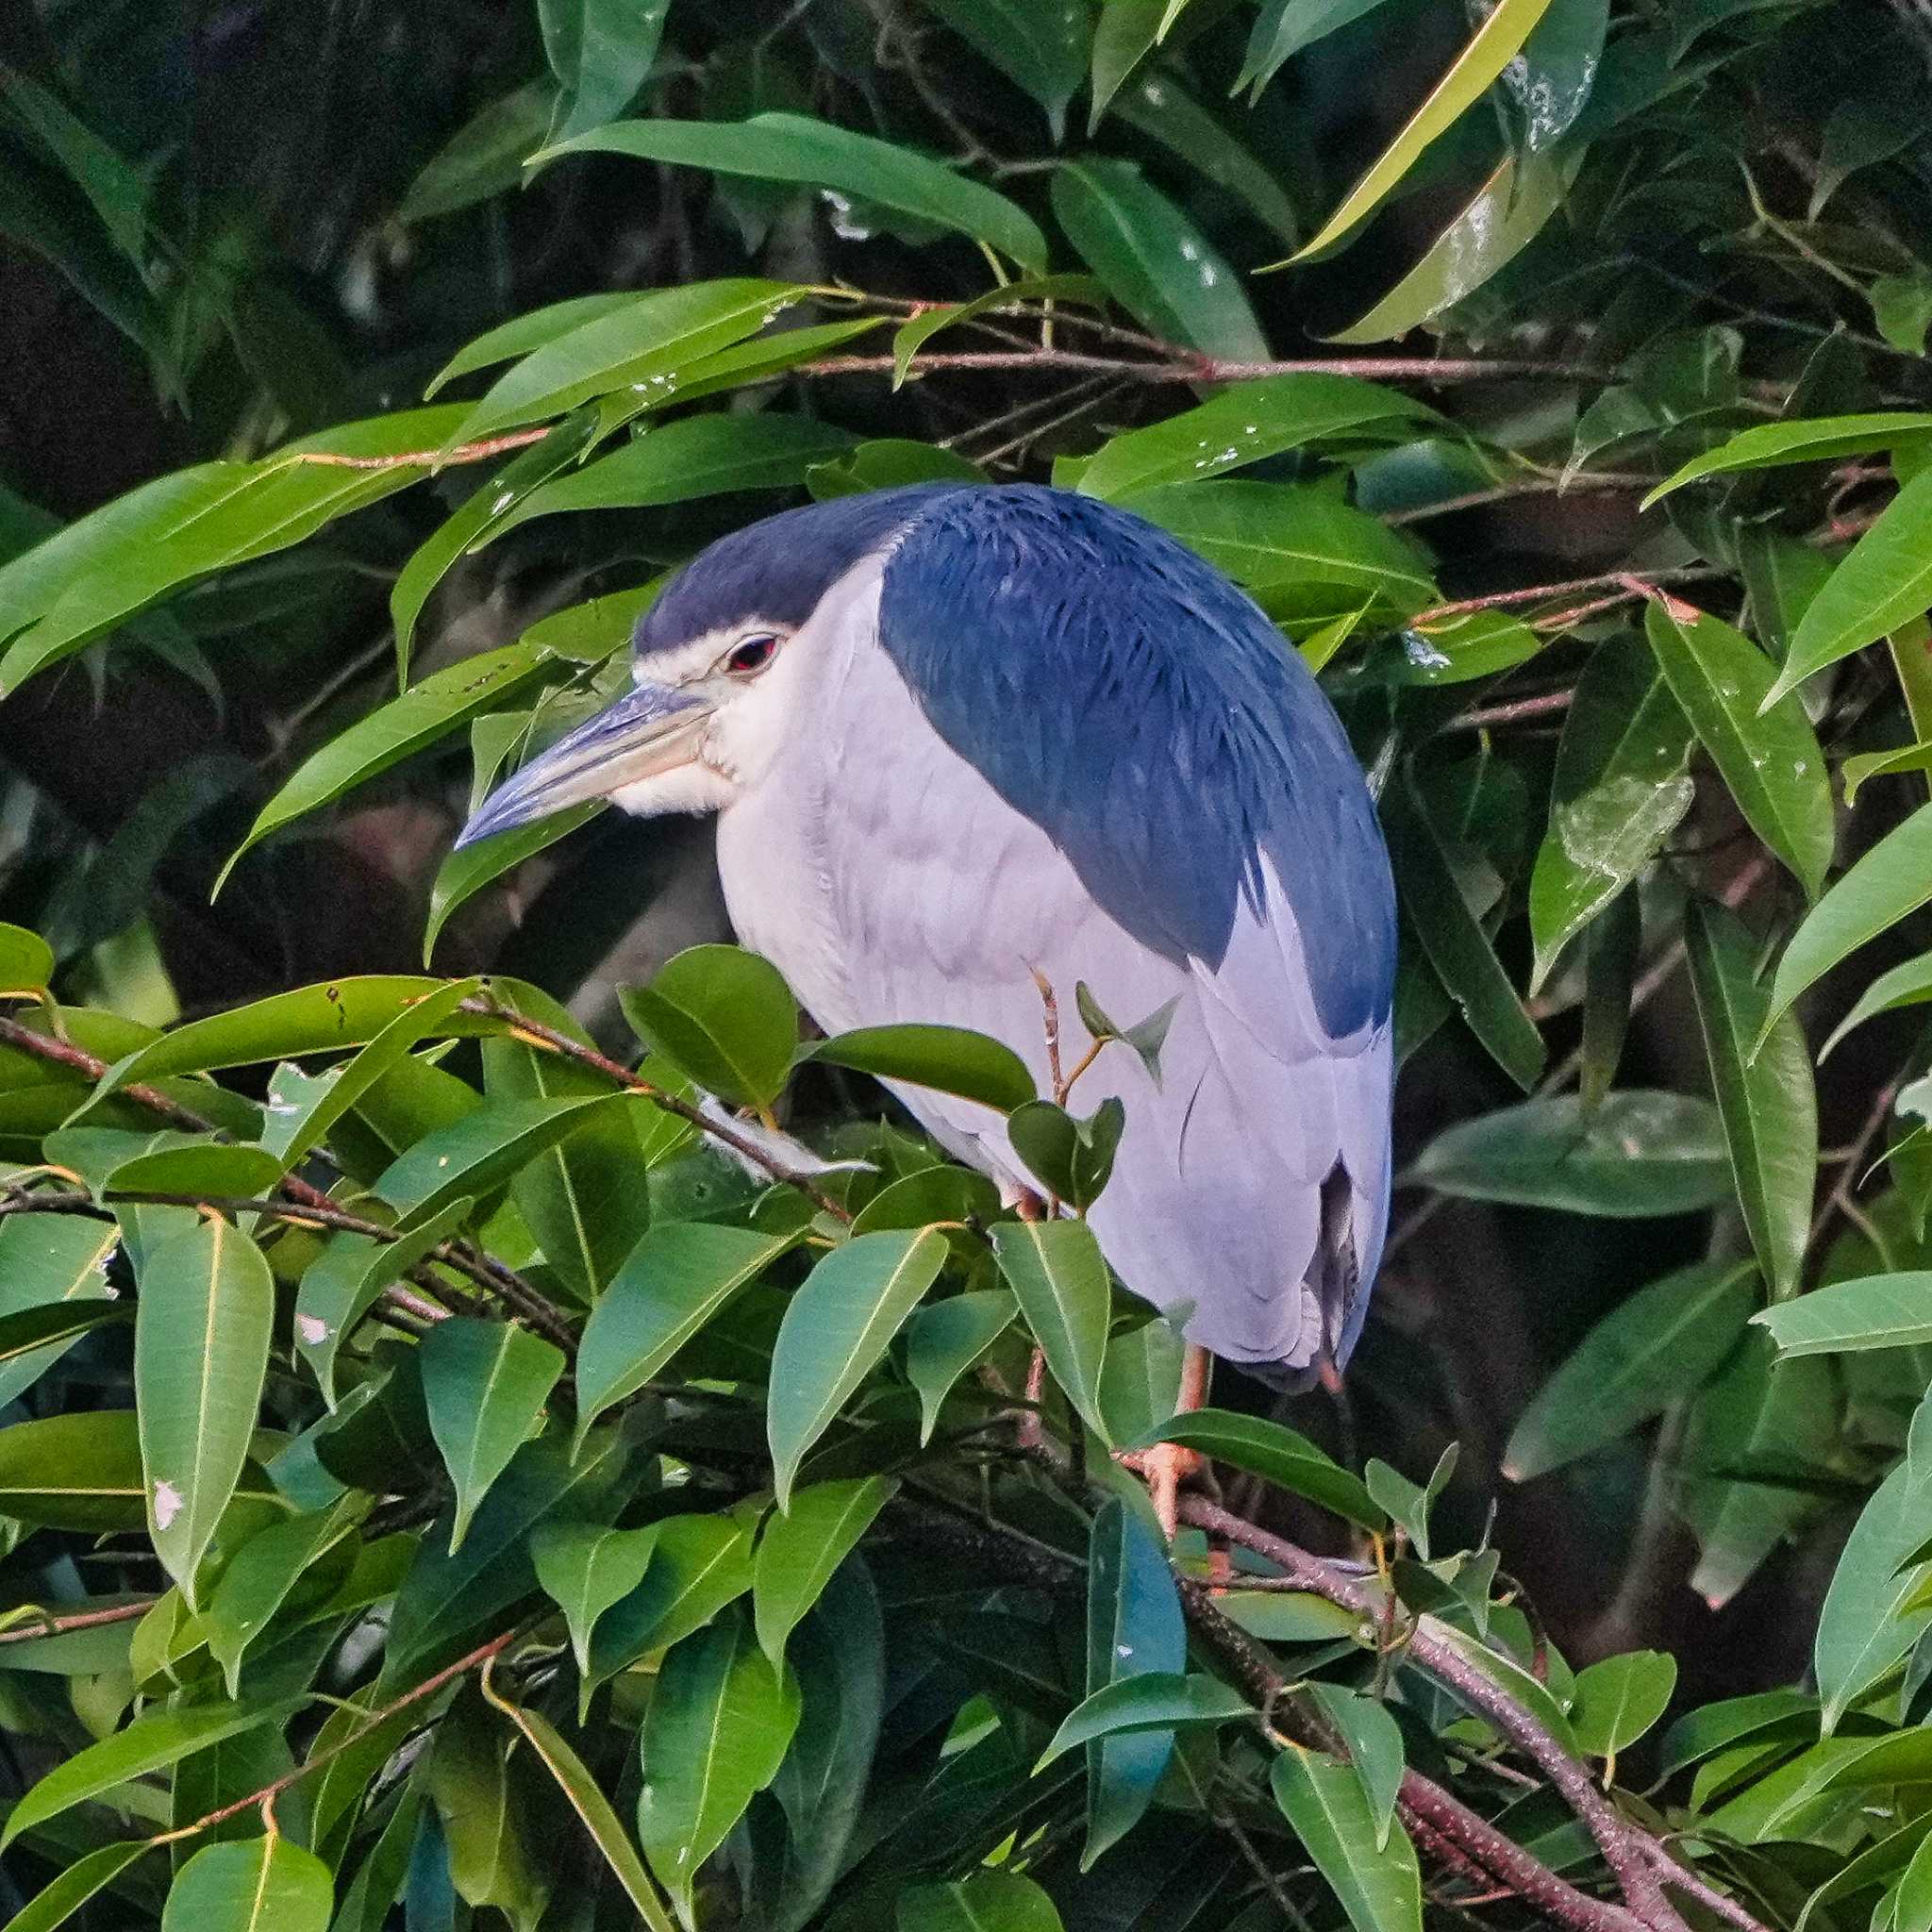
601	53
1375	1749
718	1728
1156	105
476	520
252	1885
698	1565
723	1017
1058	1276
1273	536
649	341
1864	1628
594	1812
1891	881
949	1059
1495	43
1763	745
981	1902
1620	1698
710	455
678	1277
345	1280
1284	27
1244	423
474	1775
481	1151
587	1567
201	1340
1277	1455
261	1575
1041	44
81	1470
150	1743
1504	217
1845	1317
1454	939
944	1339
1124	35
483	158
801	1548
1134	1626
815	154
1637	1153
1380	1888
524	333
1410	1504
1884	583
463	875
1808	439
484	1384
34	1331
70	1889
1622	786
47	1260
1155	262
1155	1701
426	713
835	1328
1140	1380
1765	1094
1649	1352
26	961
1070	1159
201	1168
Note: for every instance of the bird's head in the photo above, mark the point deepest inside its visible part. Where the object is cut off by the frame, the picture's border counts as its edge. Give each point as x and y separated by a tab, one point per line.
724	664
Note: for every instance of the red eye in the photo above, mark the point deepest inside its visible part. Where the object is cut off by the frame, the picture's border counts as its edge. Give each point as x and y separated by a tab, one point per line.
754	653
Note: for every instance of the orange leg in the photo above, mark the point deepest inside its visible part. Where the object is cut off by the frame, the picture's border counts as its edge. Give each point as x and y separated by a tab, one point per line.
1167	1465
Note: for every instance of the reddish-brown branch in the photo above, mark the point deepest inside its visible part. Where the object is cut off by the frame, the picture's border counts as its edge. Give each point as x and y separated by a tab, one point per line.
431	459
1630	582
78	1620
1516	712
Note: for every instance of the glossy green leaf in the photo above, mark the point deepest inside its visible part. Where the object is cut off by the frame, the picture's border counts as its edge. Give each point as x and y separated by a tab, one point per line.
723	1017
150	1743
463	875
710	455
1155	1701
1155	104
26	961
1768	757
719	1725
1765	1094
70	1889
1494	44
679	1276
648	341
1885	582
1246	423
944	1339
594	1812
261	1575
1843	1317
1620	1698
601	52
1123	35
1457	947
1805	439
587	1567
1864	1629
1058	1276
1283	28
698	1565
1647	1352
801	1547
1277	1455
482	1152
201	1342
203	1169
79	1471
484	158
484	1384
36	1330
1134	1626
890	462
981	1902
1379	1887
1634	1155
835	1328
1040	45
474	1778
48	1261
1154	261
1890	882
476	520
913	334
1376	1754
1504	216
1622	786
815	154
525	333
949	1059
253	1885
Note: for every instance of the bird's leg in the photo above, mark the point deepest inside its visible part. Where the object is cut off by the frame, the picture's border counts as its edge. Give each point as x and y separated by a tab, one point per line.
1167	1465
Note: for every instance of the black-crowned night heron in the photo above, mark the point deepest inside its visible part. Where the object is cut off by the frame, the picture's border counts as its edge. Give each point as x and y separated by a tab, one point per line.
964	741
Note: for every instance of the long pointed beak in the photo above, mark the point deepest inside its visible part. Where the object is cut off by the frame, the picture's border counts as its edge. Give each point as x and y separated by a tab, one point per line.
648	730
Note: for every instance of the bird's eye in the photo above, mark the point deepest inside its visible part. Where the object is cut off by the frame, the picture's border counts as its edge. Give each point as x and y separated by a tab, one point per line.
751	655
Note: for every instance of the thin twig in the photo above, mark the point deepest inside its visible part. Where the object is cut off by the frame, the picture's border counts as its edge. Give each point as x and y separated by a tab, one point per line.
80	1620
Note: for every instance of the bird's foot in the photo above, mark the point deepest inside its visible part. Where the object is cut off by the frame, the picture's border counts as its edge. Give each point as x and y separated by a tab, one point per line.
1164	1469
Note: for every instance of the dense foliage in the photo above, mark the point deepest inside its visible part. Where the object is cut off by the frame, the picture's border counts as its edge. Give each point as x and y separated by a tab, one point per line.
440	1485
